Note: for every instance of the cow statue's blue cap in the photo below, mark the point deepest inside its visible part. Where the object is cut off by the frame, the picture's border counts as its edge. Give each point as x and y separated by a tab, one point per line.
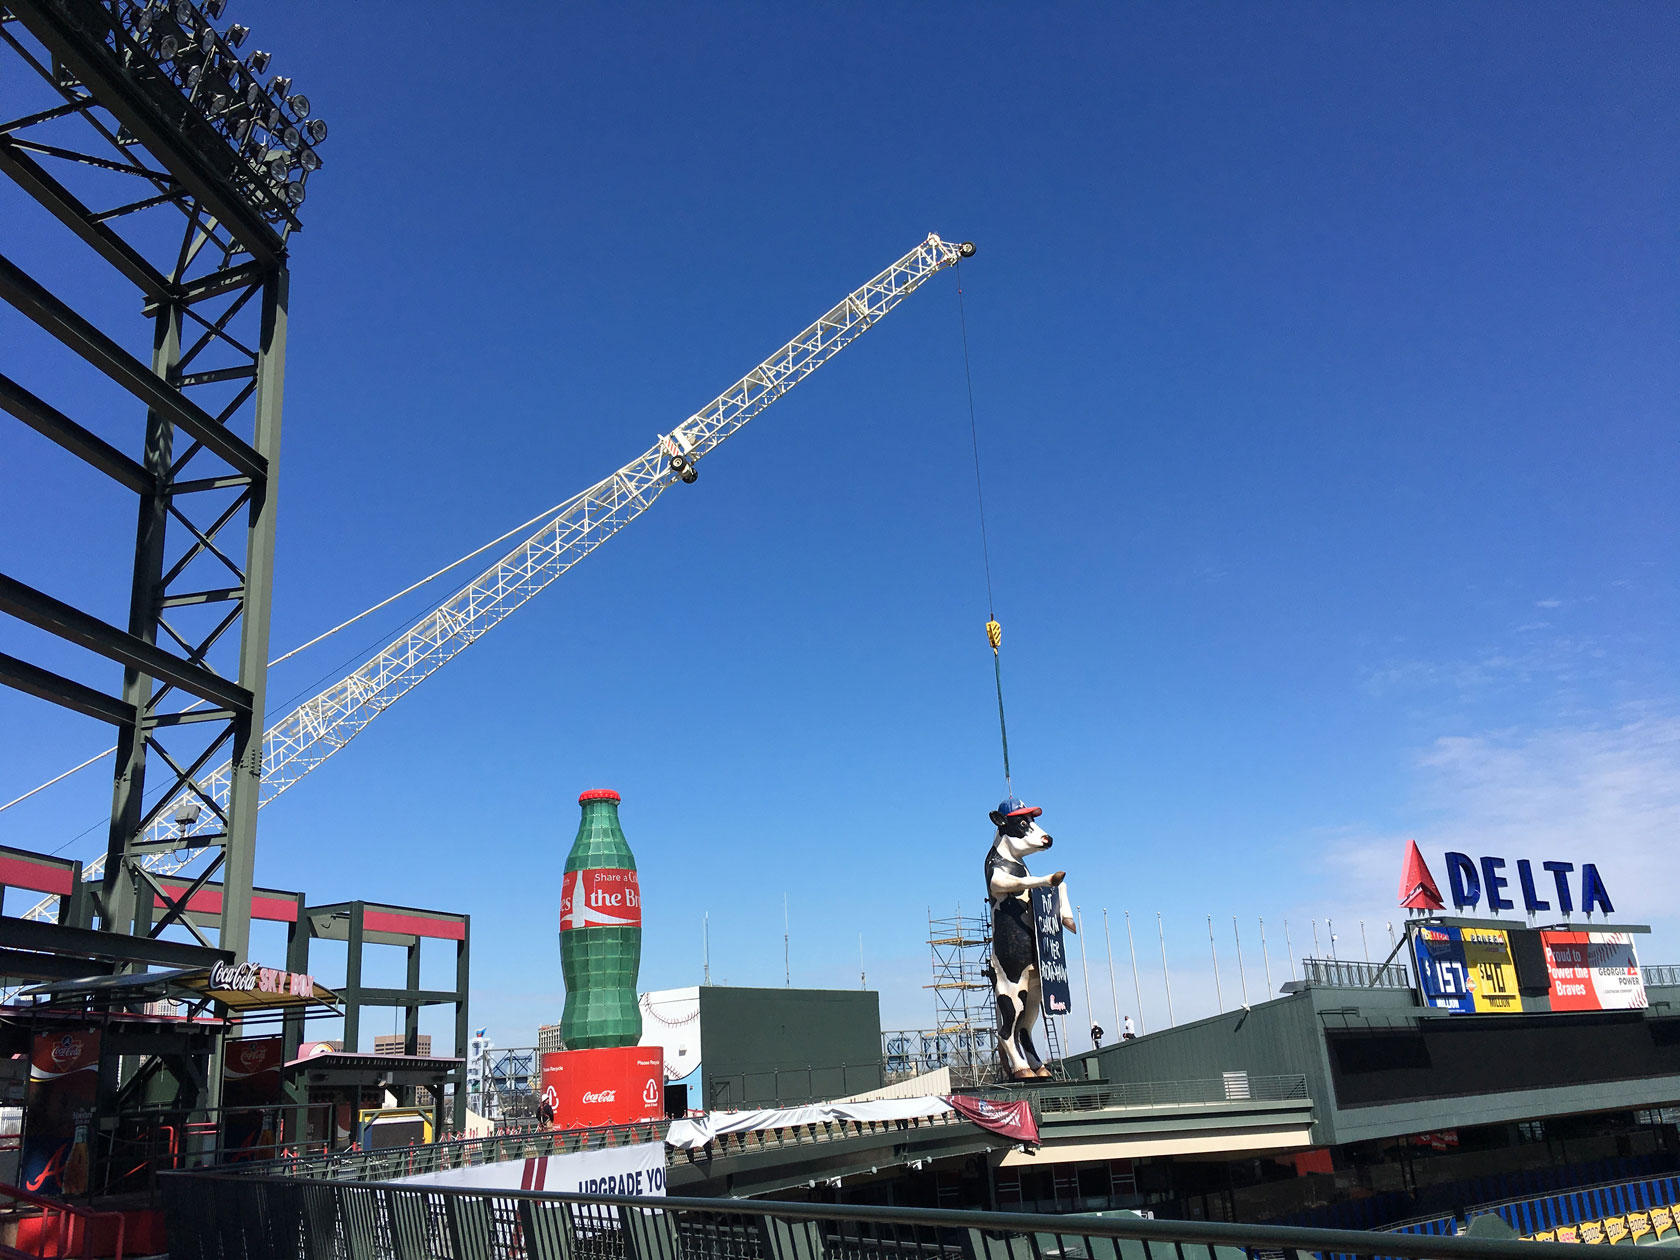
1014	807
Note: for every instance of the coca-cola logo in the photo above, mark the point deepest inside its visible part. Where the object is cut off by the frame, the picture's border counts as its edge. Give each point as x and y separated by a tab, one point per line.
234	977
253	1055
251	978
600	1096
67	1050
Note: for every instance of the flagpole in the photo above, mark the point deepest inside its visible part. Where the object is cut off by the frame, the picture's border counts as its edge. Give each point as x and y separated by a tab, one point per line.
1165	974
1113	993
1137	988
1079	918
1242	975
1218	994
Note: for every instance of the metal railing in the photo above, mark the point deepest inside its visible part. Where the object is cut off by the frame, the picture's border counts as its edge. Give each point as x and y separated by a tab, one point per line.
222	1217
407	1161
1337	973
62	1229
1142	1095
1662	975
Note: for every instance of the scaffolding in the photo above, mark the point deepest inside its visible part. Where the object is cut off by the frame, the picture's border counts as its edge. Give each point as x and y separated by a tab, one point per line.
965	1013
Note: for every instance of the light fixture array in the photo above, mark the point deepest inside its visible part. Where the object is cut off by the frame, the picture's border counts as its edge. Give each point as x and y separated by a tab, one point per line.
267	124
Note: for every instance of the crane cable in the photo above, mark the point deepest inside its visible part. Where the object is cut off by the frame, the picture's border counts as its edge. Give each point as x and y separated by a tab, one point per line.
994	631
366	612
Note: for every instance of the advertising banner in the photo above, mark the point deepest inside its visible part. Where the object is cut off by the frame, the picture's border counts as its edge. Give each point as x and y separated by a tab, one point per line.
1013	1120
1593	971
1466	970
613	1085
63	1083
600	898
251	1092
626	1170
1052	953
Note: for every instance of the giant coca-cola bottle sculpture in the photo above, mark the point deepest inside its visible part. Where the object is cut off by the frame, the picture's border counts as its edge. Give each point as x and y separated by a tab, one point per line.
600	931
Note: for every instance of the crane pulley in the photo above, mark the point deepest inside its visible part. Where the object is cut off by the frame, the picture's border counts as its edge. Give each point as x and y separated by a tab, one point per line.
319	727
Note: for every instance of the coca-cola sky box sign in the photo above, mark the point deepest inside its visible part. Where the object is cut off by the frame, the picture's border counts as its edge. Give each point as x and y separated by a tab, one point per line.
63	1084
614	1085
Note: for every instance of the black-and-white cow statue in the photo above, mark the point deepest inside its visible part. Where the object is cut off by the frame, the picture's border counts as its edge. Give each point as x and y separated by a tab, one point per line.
1014	966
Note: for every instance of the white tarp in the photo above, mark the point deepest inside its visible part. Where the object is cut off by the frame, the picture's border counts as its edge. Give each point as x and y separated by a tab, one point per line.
627	1170
692	1135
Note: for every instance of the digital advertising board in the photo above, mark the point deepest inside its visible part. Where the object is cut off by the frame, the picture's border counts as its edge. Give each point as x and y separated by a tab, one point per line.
1466	970
1593	971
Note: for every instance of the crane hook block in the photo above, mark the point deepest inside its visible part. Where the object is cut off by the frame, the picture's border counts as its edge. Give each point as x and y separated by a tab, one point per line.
966	249
994	635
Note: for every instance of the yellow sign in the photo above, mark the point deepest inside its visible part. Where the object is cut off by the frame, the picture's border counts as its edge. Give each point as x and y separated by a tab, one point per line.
1545	1235
1568	1233
1493	977
1639	1224
1662	1219
1615	1228
1592	1232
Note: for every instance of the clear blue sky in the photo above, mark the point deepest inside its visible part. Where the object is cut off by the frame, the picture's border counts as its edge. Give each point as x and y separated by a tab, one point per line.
1325	365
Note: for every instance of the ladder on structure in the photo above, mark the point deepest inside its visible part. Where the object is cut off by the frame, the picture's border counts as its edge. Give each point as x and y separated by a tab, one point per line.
1053	1049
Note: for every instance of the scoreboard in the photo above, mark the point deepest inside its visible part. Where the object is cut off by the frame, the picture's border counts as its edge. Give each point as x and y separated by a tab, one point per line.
1489	971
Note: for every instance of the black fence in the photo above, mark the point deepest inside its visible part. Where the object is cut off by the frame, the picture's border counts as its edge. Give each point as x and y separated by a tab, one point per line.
217	1216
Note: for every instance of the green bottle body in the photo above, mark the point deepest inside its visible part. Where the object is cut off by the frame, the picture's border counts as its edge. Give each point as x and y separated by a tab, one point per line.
600	931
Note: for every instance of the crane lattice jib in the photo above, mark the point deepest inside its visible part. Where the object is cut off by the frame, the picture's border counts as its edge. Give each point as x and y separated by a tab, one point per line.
319	727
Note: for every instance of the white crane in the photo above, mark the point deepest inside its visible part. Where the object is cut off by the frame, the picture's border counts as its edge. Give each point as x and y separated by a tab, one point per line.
322	725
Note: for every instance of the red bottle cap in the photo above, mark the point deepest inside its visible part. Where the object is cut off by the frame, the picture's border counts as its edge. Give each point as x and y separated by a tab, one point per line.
598	794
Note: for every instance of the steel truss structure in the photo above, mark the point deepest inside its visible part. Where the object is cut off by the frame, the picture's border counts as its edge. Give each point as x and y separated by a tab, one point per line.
109	125
319	727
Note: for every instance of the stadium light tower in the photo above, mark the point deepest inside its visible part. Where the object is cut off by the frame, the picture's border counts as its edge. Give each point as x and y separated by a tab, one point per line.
145	132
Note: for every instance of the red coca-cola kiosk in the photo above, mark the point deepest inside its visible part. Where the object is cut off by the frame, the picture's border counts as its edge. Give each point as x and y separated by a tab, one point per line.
615	1085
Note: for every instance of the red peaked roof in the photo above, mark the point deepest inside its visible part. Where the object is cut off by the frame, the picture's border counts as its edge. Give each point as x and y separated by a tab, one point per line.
1417	885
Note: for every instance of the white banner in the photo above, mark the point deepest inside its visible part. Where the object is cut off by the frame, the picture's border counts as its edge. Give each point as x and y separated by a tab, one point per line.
693	1135
626	1170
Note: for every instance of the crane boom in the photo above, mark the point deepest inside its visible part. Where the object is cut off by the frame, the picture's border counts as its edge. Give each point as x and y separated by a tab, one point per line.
325	723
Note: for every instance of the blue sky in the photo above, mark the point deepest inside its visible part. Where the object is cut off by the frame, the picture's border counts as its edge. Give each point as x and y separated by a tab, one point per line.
1325	375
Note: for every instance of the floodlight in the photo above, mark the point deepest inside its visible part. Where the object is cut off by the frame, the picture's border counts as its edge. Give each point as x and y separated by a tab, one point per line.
309	160
316	129
281	84
184	12
236	34
294	192
215	8
258	61
167	47
253	95
298	104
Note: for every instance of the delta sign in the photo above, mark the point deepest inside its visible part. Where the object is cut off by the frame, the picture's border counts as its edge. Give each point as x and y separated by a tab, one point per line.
1474	883
1482	969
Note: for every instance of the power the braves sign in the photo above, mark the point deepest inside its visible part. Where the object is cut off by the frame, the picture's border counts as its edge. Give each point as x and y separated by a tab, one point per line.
600	898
